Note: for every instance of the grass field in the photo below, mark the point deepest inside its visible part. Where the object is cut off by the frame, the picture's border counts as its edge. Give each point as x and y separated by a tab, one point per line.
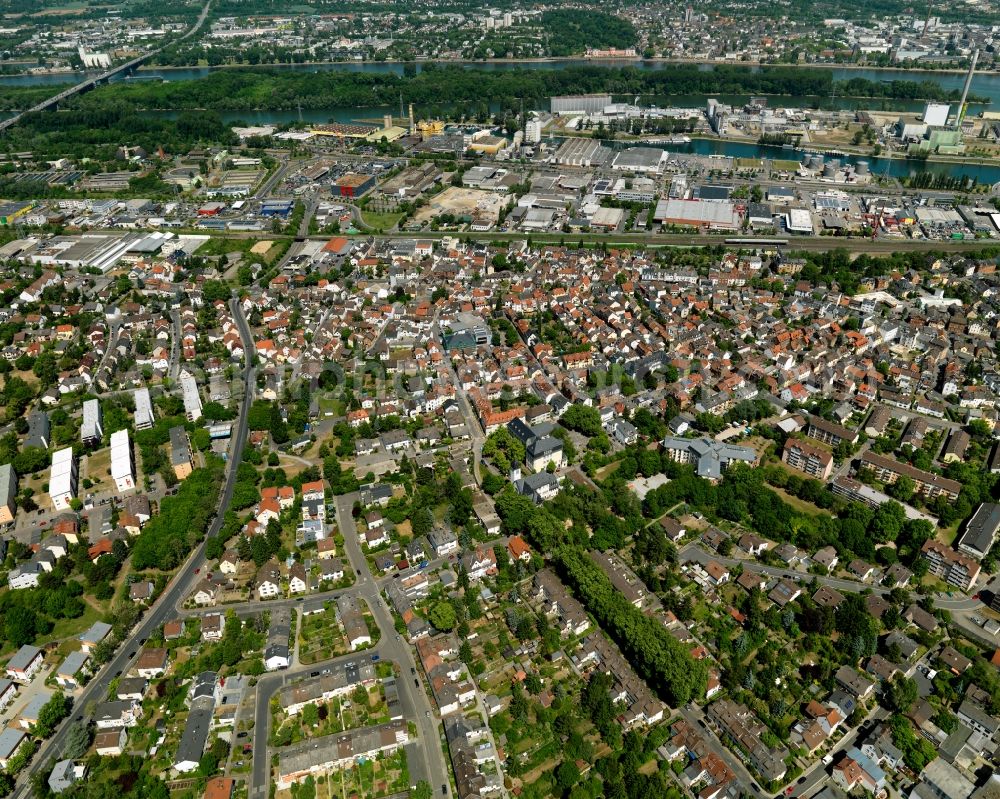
780	165
217	245
795	502
98	464
67	630
380	221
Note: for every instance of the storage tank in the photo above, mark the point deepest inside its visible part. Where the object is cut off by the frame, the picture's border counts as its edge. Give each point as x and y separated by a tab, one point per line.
862	168
835	163
816	162
829	171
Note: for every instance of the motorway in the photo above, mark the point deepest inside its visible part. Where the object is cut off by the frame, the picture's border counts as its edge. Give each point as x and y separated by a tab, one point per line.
430	765
164	608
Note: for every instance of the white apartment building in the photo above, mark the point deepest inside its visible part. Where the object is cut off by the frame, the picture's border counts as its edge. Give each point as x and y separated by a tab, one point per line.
62	478
122	465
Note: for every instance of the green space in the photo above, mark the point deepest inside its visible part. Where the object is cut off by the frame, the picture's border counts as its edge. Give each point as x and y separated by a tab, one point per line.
321	637
380	221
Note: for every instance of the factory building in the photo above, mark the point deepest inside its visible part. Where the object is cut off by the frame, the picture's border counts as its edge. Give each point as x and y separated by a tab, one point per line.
579	103
581	152
697	213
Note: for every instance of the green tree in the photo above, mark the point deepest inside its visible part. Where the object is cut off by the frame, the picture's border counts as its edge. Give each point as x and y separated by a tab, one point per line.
20	626
442	616
52	713
901	694
583	419
77	740
903	488
567	775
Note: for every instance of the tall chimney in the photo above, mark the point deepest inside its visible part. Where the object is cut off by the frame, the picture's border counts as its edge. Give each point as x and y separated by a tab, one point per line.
413	126
965	89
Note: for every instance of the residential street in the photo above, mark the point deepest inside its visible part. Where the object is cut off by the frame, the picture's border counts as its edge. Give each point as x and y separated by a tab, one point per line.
430	765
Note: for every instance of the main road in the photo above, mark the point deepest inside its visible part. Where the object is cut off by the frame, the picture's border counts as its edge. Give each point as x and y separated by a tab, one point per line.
391	647
164	608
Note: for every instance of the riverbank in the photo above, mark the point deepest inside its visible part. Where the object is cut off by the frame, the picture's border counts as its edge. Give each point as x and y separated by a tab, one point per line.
854	153
572	60
554	61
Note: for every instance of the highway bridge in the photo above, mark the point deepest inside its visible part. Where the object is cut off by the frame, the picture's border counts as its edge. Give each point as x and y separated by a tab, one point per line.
127	68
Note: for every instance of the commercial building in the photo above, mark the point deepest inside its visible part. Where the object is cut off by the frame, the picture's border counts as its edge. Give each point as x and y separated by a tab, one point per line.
91	430
272	208
697	213
954	568
8	493
192	399
930	485
12	211
143	409
814	461
335	752
62	478
122	464
799	220
710	458
180	453
353	185
980	531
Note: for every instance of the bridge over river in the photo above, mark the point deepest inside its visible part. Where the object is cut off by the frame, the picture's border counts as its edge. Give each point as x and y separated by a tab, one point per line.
127	68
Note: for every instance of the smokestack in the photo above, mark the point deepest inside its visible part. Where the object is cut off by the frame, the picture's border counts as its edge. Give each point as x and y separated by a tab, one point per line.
413	126
965	89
